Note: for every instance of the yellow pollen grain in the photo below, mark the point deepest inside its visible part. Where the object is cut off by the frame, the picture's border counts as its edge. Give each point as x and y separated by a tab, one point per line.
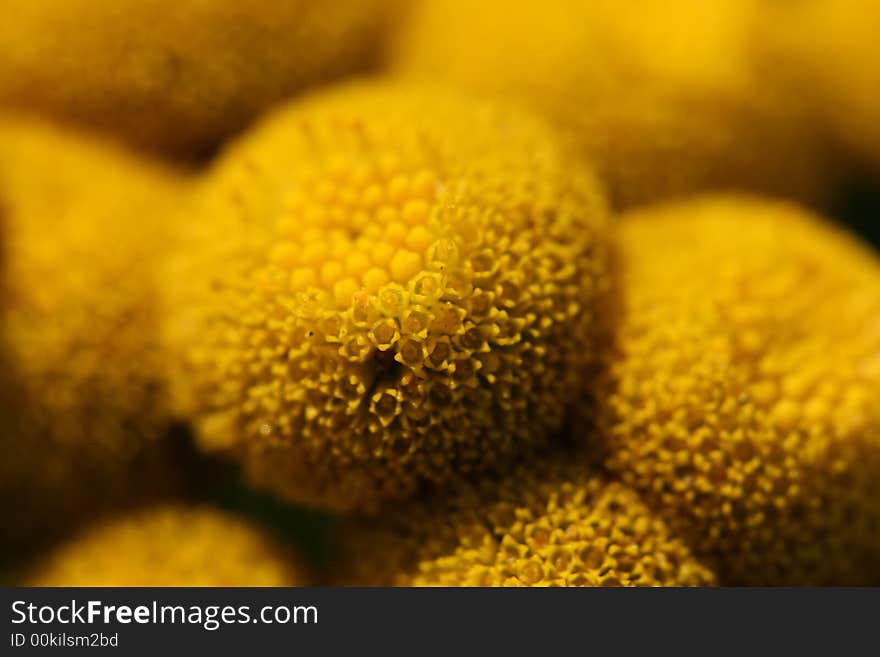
404	265
389	164
424	185
398	189
382	254
312	234
303	278
340	246
288	227
331	272
373	197
284	255
344	290
314	214
395	233
419	239
374	279
356	264
786	414
314	253
415	212
386	215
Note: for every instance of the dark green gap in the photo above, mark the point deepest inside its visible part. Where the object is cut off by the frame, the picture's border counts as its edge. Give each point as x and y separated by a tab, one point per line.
857	206
218	483
309	531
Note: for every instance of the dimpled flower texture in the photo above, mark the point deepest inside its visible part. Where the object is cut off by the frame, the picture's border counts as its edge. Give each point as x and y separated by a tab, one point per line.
82	395
170	546
742	394
660	95
552	523
393	284
177	77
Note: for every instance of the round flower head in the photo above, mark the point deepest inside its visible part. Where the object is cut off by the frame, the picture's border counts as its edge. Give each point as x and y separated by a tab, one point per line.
551	523
170	546
177	77
741	393
660	95
826	52
82	395
391	284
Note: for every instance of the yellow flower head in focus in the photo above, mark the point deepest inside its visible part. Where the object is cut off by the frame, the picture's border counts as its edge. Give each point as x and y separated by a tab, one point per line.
662	96
390	284
170	546
550	523
741	397
82	393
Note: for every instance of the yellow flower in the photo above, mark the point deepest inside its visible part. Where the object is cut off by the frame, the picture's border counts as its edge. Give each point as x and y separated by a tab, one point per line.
387	284
826	53
170	546
741	396
661	95
177	77
82	394
548	523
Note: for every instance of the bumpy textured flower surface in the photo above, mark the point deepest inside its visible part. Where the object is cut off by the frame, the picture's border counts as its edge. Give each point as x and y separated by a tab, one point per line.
170	546
391	284
826	51
177	77
661	96
741	394
82	398
548	523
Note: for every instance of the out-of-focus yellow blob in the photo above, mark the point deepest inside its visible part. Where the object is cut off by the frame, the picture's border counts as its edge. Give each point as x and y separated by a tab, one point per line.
177	76
828	52
170	546
82	394
741	394
387	284
661	95
548	523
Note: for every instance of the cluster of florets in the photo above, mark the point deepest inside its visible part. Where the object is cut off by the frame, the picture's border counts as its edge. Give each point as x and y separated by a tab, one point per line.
740	396
550	524
407	305
410	291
